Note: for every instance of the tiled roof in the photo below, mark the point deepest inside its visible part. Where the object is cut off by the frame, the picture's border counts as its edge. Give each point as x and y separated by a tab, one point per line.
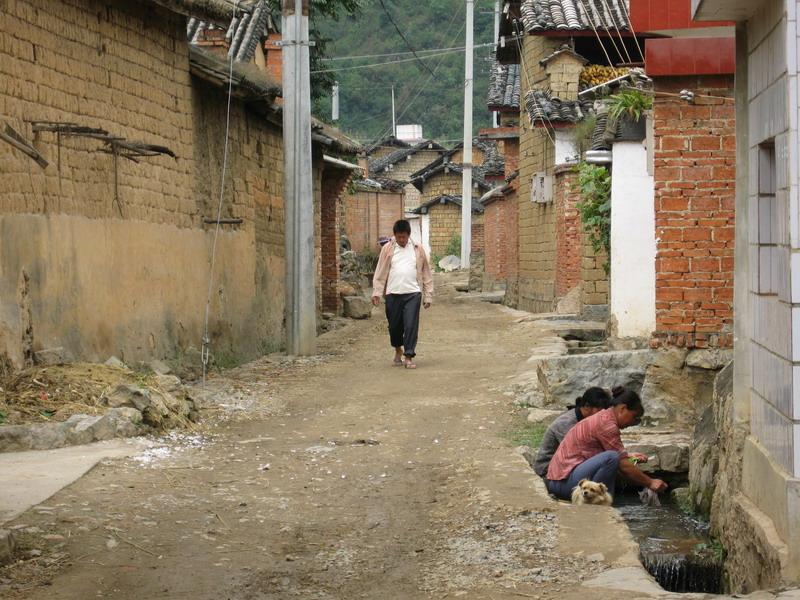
504	87
564	50
542	107
381	164
248	82
389	184
574	15
389	141
244	32
423	208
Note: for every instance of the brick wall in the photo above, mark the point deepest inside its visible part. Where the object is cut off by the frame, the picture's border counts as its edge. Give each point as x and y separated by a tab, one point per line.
569	247
334	183
535	286
501	240
445	223
695	173
106	65
370	215
443	183
563	72
97	254
594	281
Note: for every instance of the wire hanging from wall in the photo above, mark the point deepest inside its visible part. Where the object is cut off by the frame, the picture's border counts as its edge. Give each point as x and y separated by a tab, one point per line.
205	352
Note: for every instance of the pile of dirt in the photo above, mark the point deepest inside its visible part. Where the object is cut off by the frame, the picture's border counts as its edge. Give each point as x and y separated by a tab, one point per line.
55	393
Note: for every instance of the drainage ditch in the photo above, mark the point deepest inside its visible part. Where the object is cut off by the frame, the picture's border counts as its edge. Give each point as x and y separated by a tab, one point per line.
674	548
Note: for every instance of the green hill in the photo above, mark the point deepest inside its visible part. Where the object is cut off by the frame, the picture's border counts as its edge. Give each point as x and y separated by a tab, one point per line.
434	101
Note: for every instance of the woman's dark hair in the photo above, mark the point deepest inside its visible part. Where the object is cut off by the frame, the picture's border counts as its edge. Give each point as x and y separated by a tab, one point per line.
594	397
402	226
629	398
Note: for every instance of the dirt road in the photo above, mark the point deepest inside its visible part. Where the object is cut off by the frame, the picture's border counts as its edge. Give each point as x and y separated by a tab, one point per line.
331	478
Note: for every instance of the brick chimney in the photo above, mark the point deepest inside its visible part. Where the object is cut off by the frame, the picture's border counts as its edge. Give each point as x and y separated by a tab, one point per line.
274	56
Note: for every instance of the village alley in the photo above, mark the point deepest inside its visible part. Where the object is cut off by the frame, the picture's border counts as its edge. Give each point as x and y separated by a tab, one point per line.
344	478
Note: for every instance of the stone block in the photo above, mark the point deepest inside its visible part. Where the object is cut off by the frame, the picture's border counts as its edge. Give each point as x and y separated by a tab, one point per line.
7	546
562	379
712	359
357	307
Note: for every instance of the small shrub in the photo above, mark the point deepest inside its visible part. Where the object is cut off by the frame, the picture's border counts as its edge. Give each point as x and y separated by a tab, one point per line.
629	104
454	246
594	186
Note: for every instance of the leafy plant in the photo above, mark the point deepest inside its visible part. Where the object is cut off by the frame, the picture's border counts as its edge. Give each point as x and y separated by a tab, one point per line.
454	246
629	104
594	185
713	548
3	417
582	133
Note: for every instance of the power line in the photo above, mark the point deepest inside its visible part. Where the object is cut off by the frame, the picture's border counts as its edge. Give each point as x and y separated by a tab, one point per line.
391	54
402	35
393	62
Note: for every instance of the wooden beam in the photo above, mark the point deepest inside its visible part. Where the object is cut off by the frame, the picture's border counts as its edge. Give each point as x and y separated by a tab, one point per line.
10	136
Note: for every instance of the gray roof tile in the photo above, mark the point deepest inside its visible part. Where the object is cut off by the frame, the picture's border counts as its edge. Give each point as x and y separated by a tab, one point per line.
504	86
574	15
542	106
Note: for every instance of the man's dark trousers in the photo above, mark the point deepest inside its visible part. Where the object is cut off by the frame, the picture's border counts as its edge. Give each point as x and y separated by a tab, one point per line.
402	311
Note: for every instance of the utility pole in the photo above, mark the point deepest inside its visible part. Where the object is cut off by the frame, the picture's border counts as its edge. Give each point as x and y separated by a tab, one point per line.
335	101
301	309
394	120
466	184
496	114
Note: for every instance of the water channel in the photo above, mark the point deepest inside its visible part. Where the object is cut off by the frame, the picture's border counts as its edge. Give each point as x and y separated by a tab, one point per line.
675	548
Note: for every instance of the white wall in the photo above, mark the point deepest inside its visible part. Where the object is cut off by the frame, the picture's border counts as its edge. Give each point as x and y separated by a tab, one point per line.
633	242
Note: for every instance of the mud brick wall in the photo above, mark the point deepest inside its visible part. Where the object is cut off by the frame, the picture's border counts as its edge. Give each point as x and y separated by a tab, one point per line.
370	215
594	280
112	65
403	169
443	183
445	223
695	170
569	246
535	287
122	269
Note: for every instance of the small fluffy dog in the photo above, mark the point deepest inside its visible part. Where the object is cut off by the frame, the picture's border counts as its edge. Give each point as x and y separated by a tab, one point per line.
590	492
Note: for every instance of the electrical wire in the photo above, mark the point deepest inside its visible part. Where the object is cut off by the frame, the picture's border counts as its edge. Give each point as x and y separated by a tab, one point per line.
630	26
619	33
424	84
335	58
206	339
591	22
402	35
529	87
393	62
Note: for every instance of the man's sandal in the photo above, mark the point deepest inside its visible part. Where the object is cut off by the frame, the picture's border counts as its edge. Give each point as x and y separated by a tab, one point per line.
410	365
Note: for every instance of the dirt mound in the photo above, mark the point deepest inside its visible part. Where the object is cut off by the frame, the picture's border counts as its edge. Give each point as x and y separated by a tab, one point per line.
55	393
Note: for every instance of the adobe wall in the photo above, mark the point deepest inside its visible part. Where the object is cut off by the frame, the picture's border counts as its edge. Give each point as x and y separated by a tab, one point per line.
103	261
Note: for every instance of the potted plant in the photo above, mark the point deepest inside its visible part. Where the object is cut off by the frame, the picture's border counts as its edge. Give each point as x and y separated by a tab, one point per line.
628	108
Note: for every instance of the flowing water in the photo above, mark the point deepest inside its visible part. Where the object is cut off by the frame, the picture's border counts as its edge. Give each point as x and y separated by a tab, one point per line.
674	548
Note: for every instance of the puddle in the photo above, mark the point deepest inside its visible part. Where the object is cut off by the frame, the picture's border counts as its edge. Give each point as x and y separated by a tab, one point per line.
674	548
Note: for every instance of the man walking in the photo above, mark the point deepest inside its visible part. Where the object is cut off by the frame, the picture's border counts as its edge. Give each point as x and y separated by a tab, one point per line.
404	277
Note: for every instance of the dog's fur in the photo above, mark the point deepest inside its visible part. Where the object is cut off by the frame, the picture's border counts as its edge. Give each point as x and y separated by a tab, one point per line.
590	492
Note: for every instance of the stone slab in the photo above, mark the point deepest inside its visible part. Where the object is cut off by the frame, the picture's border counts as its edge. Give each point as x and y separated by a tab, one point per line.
30	478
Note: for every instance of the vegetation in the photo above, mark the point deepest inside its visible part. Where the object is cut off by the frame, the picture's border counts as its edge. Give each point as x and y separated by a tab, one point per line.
365	94
453	249
527	434
594	185
629	104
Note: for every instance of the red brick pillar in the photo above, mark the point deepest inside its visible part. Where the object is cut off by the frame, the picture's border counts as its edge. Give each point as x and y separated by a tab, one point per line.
695	180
